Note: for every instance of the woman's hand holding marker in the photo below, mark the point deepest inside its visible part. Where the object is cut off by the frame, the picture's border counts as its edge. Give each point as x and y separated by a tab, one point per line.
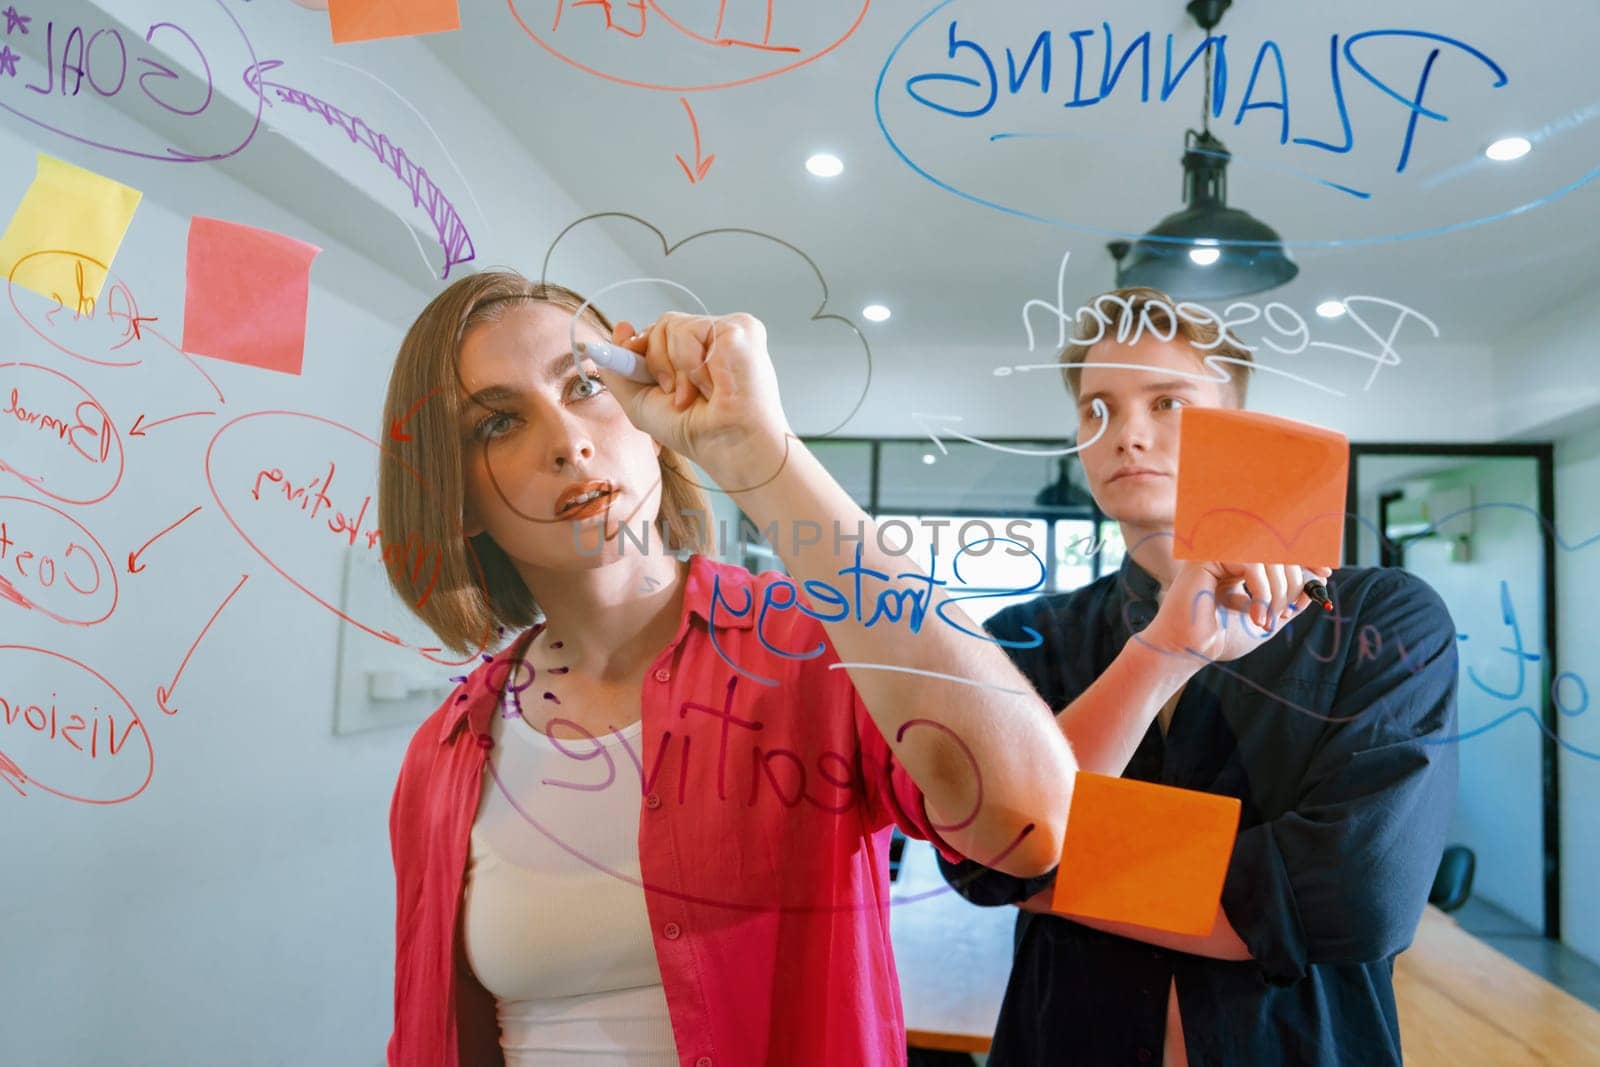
712	394
615	358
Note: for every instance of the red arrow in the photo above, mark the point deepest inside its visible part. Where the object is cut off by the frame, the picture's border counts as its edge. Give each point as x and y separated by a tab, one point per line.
140	427
397	427
164	693
133	566
701	165
12	775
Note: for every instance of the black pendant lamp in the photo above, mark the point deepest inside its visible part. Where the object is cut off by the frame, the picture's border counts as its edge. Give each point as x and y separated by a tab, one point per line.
1207	251
1065	493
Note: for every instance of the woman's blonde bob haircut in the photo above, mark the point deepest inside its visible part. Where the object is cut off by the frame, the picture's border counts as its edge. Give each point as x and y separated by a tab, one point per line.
465	588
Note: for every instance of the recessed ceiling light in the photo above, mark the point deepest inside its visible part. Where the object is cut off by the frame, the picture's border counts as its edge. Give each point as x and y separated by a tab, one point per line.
1331	309
1207	254
929	457
875	313
1508	148
825	165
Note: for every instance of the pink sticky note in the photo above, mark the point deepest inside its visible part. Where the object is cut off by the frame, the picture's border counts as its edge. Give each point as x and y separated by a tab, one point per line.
246	295
366	20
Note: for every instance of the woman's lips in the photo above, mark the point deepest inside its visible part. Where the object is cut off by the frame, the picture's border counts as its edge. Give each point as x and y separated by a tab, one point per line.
599	503
594	507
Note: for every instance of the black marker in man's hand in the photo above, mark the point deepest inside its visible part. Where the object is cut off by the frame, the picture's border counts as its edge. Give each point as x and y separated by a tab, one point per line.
1319	593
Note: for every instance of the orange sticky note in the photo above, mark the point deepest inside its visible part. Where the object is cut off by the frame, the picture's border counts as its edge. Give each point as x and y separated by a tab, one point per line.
246	295
1259	489
366	20
1145	854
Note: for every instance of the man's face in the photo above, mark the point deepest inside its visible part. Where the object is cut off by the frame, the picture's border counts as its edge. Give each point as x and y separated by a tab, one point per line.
1133	466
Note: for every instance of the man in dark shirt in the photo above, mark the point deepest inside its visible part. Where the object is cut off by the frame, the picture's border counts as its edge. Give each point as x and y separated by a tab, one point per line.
1333	728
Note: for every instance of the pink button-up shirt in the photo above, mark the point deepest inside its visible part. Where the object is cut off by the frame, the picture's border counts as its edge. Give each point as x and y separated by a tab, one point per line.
763	843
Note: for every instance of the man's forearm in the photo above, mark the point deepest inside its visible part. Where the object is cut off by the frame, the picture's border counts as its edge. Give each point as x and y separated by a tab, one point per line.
1222	943
1105	724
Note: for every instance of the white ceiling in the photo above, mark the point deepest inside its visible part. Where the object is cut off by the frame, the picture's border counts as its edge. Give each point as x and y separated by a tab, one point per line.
956	272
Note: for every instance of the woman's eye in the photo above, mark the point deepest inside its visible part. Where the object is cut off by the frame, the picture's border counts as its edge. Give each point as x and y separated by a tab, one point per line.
586	387
493	424
1169	403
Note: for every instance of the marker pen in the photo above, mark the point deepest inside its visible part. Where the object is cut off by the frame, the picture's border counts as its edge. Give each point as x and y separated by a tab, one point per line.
615	358
1315	590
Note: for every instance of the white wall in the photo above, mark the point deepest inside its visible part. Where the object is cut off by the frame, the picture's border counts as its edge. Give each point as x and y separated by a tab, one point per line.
250	883
1578	575
1545	377
240	910
1499	805
1544	373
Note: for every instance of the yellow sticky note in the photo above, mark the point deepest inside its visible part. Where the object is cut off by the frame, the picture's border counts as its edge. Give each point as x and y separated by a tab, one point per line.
1147	854
67	209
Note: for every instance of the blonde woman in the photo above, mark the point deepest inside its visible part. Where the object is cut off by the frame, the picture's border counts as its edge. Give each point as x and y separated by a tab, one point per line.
653	830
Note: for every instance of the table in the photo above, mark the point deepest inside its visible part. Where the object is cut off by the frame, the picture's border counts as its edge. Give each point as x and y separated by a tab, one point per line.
953	957
1460	1001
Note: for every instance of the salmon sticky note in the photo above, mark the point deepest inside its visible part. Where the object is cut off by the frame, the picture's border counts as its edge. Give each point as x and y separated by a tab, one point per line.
1145	854
366	20
246	295
67	209
1259	489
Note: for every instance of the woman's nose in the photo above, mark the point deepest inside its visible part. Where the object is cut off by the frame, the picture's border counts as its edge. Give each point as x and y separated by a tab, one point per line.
571	443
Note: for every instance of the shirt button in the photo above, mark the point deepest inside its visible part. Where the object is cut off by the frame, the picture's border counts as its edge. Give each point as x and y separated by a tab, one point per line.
652	801
703	1061
662	674
1143	1055
672	931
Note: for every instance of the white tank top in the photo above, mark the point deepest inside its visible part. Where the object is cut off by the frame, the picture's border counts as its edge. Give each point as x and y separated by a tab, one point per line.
564	946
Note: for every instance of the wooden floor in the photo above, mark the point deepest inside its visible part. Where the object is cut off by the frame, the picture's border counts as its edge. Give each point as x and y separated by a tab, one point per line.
1461	1002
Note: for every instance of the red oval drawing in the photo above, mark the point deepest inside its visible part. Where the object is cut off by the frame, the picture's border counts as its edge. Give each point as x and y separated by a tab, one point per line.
66	566
674	27
68	735
45	428
345	524
104	310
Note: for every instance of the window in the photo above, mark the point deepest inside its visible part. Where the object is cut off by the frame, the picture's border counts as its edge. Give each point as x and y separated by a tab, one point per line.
932	501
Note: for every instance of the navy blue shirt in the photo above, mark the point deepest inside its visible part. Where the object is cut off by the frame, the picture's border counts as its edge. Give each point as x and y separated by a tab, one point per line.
1337	736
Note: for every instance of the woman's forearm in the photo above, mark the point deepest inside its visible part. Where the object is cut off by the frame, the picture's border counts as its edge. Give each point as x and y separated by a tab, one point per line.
989	752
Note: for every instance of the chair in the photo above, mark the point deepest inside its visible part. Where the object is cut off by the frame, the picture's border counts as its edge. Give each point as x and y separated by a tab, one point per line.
897	848
1452	885
921	1057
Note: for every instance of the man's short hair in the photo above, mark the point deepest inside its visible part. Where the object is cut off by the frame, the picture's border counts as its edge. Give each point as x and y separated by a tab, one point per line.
1123	315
